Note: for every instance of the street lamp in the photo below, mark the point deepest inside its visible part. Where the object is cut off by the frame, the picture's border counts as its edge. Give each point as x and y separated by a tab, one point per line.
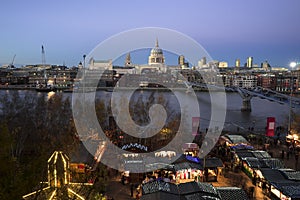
84	56
292	65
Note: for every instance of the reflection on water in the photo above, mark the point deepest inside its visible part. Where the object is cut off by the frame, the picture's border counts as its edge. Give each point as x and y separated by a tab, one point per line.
50	94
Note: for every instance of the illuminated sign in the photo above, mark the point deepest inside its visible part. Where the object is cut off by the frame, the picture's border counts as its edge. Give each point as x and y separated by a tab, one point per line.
135	145
270	126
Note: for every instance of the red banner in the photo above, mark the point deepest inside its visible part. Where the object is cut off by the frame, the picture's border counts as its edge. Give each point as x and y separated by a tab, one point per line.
195	125
270	127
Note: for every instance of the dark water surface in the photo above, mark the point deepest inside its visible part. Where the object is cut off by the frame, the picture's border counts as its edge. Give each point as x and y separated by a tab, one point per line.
261	109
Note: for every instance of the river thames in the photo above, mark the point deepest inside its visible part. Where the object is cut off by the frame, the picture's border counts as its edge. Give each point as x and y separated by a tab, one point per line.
255	120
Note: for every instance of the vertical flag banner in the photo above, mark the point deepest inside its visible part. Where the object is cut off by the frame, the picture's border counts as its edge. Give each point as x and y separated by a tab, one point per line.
270	126
195	125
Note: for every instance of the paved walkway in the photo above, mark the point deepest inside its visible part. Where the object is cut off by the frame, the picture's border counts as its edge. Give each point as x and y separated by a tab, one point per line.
289	160
117	191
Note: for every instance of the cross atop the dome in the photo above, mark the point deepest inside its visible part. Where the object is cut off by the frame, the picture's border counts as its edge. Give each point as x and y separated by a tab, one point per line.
156	43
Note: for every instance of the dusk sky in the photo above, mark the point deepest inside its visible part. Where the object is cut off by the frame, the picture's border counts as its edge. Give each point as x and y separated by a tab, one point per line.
227	29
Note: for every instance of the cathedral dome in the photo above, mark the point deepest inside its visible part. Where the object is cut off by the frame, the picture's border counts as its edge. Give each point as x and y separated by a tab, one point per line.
156	50
156	55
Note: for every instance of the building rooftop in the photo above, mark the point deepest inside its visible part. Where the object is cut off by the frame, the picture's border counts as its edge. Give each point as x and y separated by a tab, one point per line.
192	190
248	153
274	176
291	174
236	139
232	193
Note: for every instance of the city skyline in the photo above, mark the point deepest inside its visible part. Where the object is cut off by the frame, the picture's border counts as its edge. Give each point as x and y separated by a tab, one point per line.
265	30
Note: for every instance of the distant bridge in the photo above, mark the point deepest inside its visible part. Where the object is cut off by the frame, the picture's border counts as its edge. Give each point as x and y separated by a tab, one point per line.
267	94
247	94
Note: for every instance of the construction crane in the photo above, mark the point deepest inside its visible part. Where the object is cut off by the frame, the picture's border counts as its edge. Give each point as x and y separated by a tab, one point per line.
43	63
43	56
11	65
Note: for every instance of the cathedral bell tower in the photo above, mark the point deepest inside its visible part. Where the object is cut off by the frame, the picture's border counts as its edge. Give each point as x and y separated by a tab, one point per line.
128	60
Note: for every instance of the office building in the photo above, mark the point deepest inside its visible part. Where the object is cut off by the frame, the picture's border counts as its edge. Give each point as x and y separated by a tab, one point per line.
249	62
238	63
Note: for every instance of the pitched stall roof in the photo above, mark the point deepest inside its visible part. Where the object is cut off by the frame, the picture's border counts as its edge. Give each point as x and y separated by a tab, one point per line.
190	191
291	174
273	163
236	139
158	165
198	190
186	165
232	193
197	196
285	180
291	190
192	187
160	195
256	163
213	163
197	163
246	153
183	163
186	191
242	154
260	154
253	162
274	176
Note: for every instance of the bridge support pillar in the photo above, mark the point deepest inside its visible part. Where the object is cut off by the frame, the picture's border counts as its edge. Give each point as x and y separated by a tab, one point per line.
246	107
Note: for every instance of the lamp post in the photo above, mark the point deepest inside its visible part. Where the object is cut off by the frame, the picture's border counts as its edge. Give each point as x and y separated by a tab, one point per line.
292	65
84	74
84	79
84	56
